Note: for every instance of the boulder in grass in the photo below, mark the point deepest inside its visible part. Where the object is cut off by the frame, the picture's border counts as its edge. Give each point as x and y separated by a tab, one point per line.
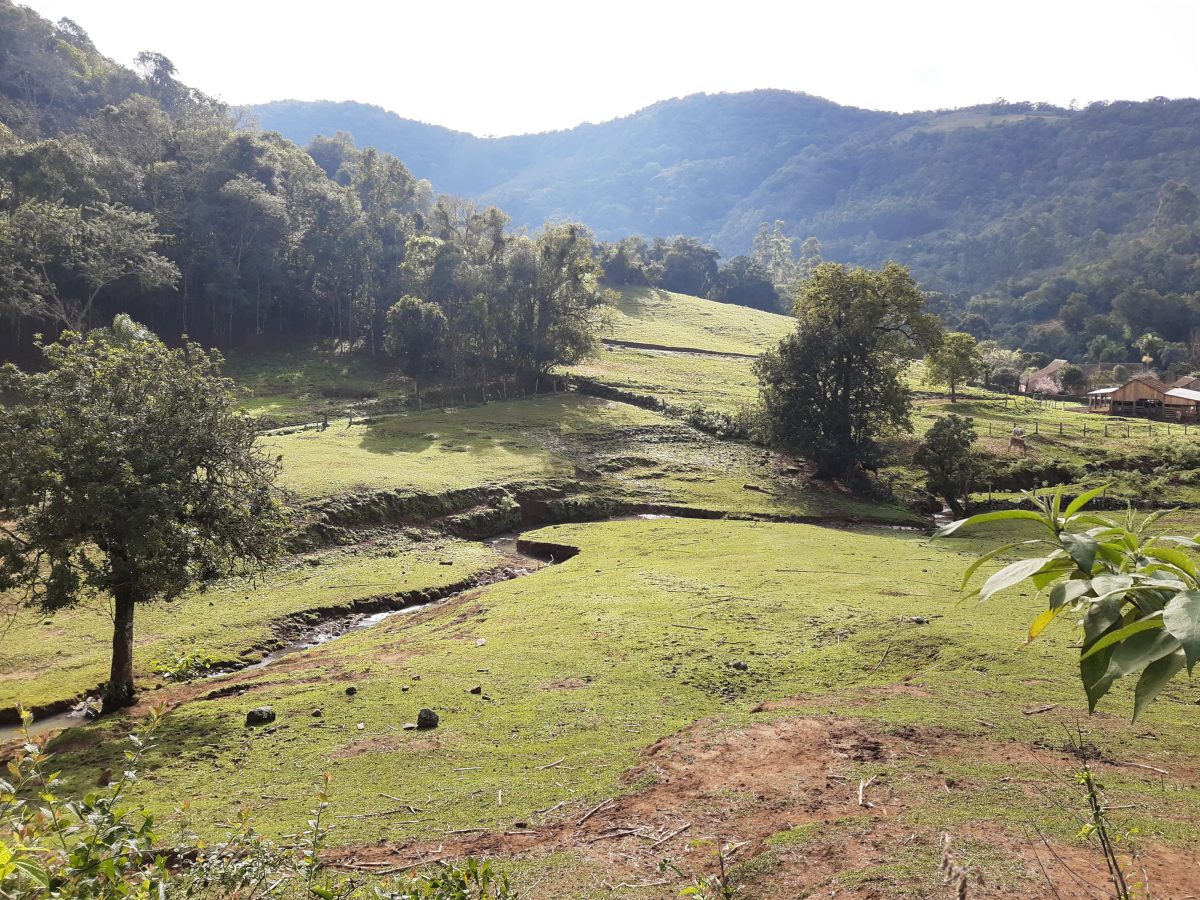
427	718
260	715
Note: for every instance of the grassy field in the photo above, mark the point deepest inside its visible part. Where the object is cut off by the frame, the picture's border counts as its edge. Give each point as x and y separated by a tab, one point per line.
722	383
652	316
567	442
719	680
562	445
669	634
300	386
227	622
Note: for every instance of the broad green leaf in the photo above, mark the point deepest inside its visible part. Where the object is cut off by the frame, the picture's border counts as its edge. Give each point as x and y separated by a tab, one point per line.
1012	574
1135	653
33	871
1102	521
1154	679
1044	618
1180	541
991	554
1056	503
1067	592
1054	569
1091	671
1082	549
998	515
1083	500
1182	619
1176	558
1102	615
1153	620
1108	584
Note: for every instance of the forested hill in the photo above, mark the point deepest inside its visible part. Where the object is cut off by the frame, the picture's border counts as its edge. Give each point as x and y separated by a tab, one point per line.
677	167
1053	229
127	192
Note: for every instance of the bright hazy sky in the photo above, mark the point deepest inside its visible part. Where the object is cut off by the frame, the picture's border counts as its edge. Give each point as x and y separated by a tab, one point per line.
493	67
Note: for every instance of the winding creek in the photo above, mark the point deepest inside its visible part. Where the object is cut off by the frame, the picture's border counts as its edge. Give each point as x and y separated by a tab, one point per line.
511	546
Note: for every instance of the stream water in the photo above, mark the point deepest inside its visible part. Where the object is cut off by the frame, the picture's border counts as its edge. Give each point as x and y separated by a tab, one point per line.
322	633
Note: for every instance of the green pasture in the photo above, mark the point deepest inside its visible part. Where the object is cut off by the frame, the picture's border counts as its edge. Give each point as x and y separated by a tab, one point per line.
565	442
51	658
722	383
634	639
653	316
294	387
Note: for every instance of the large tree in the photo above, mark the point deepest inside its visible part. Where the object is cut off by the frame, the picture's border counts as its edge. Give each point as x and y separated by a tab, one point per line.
955	359
64	257
126	470
835	385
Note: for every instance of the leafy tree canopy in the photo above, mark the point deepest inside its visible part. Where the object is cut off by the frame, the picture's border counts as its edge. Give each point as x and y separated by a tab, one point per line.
835	386
126	470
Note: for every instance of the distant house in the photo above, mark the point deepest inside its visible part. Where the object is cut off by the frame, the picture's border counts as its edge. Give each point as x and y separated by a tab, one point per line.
1044	380
1047	380
1146	396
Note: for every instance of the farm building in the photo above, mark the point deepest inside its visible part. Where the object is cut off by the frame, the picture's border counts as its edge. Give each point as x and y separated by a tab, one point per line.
1044	380
1145	395
1048	380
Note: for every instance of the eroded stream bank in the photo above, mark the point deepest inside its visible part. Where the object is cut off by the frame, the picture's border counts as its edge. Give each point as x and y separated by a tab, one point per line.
474	514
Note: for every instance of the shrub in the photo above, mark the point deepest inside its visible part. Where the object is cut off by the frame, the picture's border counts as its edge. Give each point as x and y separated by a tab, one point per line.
1133	593
182	666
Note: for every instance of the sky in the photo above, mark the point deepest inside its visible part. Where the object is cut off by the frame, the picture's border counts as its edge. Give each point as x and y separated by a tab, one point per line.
494	68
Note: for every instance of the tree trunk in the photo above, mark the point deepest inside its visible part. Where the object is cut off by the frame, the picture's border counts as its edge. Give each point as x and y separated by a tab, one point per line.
118	693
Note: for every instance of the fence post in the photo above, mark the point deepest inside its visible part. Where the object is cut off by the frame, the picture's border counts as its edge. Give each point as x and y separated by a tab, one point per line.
1106	429
1035	427
1149	430
1127	427
1060	429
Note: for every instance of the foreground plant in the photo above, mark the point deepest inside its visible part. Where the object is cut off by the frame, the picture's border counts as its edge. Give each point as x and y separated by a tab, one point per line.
99	847
1134	594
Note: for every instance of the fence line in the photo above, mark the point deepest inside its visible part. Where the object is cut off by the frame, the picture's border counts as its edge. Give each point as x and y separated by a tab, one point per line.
1107	429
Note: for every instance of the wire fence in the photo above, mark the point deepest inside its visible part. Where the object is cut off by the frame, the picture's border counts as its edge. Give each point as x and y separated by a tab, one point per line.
1122	429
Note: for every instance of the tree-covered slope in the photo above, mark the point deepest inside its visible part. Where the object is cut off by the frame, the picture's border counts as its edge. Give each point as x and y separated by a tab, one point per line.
677	167
996	201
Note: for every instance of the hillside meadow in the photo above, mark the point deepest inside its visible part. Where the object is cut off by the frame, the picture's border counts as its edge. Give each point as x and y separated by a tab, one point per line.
641	642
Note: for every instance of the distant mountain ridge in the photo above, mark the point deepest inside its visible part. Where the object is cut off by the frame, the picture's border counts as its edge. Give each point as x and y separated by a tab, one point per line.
953	193
678	166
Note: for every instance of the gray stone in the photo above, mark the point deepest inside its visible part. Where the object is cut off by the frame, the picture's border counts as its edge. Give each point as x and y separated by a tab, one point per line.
351	691
478	689
427	718
740	666
260	715
317	713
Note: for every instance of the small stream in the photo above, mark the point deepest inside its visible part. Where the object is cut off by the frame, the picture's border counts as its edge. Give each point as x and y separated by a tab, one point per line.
322	633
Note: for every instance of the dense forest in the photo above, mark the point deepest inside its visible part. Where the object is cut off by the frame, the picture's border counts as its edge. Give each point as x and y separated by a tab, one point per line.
127	191
1066	231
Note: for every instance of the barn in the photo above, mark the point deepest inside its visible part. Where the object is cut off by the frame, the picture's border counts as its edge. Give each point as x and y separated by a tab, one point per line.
1146	396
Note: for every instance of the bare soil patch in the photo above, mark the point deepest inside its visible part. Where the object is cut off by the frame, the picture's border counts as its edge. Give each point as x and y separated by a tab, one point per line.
742	786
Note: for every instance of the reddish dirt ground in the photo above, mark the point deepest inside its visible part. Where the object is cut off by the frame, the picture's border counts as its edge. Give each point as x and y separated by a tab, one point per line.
742	786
